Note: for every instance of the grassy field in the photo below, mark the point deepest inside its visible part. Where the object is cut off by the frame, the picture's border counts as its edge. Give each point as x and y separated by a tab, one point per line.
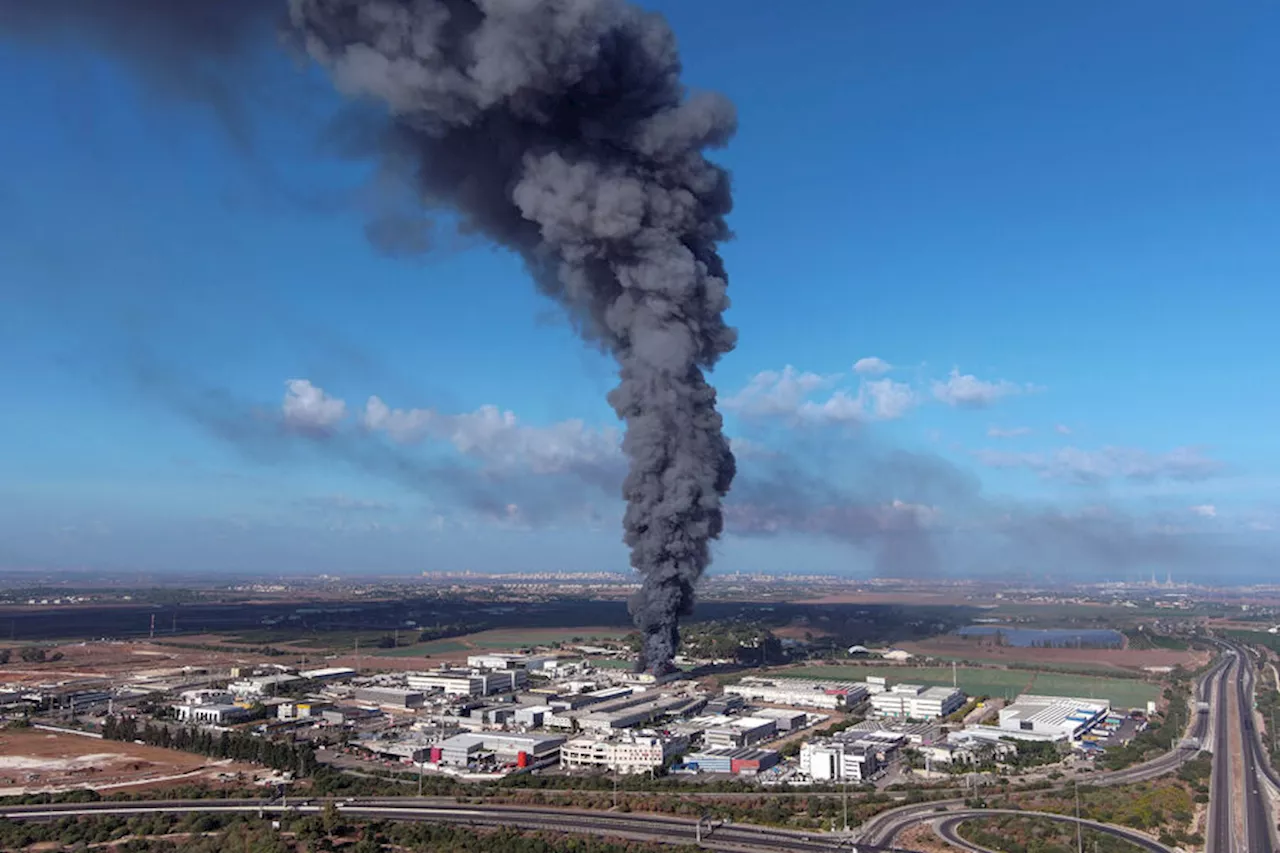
435	647
1000	683
1101	671
504	640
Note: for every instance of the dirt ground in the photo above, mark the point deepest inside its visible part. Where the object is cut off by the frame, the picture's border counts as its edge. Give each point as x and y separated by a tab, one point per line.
922	838
957	647
104	661
32	760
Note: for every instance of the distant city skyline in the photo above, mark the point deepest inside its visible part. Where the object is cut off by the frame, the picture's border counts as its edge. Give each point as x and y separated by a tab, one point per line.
991	323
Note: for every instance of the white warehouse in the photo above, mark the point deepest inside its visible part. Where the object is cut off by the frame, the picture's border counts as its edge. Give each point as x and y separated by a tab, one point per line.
1060	717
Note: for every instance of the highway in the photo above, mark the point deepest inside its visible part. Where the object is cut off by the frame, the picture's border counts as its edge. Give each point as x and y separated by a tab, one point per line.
1249	767
729	838
1220	828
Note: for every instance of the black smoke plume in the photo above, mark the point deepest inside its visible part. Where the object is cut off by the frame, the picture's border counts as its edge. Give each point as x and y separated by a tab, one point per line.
559	129
562	131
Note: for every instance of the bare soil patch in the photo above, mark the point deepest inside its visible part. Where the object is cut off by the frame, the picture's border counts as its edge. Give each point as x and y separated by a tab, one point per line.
32	760
106	661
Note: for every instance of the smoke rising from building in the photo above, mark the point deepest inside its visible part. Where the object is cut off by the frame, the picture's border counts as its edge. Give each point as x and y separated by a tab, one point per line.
560	130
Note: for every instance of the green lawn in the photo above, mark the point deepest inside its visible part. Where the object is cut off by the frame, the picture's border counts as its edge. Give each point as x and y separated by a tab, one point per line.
1000	683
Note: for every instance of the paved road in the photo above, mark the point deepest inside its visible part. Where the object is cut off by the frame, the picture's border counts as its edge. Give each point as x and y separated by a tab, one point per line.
1220	829
1252	761
948	826
733	838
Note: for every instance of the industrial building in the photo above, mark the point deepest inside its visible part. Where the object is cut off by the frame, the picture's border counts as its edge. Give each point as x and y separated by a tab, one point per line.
330	673
209	713
469	682
501	660
1060	717
787	721
301	710
635	713
524	750
917	702
399	698
262	685
849	759
744	760
625	754
733	732
802	693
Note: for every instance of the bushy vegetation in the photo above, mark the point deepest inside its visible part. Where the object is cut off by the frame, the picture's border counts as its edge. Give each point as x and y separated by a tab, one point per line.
1018	834
329	831
1149	640
1161	734
297	758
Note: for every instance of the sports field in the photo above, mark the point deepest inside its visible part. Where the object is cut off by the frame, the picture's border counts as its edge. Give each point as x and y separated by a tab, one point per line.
1000	683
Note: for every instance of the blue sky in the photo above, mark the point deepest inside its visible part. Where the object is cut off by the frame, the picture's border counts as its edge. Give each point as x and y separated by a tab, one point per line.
1047	234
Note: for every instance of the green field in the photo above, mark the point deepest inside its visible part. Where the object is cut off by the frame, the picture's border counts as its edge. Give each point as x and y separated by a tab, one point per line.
1000	683
434	647
503	639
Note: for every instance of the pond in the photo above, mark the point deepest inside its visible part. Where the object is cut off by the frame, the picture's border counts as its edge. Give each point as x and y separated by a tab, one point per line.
1095	638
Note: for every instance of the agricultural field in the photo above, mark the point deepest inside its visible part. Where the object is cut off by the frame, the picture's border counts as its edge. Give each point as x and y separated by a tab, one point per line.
503	640
1001	683
1093	661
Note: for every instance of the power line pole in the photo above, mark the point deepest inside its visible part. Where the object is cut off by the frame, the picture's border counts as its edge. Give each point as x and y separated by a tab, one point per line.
1079	832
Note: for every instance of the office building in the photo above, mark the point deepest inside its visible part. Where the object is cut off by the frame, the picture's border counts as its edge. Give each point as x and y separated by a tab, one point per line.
916	702
626	754
398	698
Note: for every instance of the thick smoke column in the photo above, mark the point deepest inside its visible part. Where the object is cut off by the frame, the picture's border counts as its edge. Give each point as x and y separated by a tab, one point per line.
560	128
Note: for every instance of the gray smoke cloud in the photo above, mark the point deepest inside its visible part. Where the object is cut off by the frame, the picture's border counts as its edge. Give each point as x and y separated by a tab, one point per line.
559	129
188	49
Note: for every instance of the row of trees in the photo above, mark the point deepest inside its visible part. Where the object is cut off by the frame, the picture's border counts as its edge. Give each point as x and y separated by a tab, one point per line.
30	654
297	758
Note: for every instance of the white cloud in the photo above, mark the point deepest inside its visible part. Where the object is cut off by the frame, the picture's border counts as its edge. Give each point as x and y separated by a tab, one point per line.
1108	463
871	366
1007	432
308	408
888	400
1205	510
968	391
745	448
773	393
1063	429
839	408
497	437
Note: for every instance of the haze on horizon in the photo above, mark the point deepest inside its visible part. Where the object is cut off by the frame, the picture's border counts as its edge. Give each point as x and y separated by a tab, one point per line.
1000	276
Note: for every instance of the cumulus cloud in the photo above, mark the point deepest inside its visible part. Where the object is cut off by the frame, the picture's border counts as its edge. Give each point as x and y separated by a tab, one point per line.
1007	432
774	393
964	390
1205	510
888	400
1063	429
309	409
871	366
1108	463
498	439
